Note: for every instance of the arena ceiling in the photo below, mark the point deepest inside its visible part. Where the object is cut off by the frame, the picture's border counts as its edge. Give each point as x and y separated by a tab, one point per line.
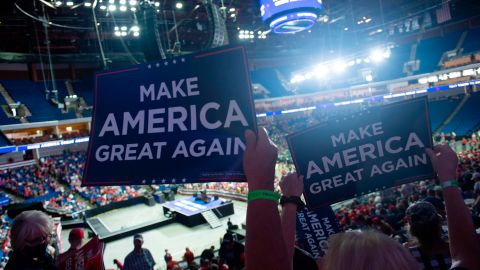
68	27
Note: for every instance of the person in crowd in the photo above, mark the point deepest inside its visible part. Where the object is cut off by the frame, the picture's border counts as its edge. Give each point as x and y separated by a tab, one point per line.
75	238
366	250
172	264
167	257
232	253
351	250
30	235
140	258
207	254
464	244
425	224
188	256
118	264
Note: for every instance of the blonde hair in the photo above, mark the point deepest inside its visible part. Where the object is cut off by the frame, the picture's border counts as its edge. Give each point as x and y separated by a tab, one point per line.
367	250
29	226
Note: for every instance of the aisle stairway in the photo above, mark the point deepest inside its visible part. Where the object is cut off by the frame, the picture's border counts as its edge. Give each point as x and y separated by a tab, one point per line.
9	100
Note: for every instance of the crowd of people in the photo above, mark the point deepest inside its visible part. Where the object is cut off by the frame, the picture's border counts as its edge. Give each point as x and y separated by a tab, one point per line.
414	215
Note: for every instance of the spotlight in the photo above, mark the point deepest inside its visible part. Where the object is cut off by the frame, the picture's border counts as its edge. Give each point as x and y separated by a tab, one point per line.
69	3
339	66
112	8
132	2
123	28
179	5
135	28
102	7
123	8
88	4
376	56
58	3
320	71
157	4
136	34
369	78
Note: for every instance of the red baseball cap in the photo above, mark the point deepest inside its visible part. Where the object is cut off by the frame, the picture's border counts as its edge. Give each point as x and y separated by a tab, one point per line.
76	233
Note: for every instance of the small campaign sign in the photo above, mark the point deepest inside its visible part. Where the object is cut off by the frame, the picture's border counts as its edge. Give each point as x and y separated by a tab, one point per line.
313	228
373	150
174	121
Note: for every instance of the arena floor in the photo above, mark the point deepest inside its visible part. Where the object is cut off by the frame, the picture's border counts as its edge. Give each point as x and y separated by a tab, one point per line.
174	237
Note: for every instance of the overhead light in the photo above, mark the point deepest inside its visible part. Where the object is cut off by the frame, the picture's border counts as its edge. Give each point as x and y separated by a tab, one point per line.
123	8
132	2
179	5
47	3
339	66
117	33
102	7
88	4
133	9
320	71
345	29
116	28
231	9
136	34
123	2
232	15
58	3
369	78
123	28
368	20
135	28
69	3
112	8
376	56
157	4
111	1
124	34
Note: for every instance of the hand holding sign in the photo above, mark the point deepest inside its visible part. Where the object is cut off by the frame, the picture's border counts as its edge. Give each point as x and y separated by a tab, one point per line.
292	185
259	160
444	161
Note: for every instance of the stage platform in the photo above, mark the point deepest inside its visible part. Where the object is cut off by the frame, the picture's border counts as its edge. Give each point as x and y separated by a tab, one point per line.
188	211
141	218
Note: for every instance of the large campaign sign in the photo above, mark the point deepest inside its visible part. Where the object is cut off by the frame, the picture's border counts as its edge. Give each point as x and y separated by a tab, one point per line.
180	120
376	149
88	257
313	228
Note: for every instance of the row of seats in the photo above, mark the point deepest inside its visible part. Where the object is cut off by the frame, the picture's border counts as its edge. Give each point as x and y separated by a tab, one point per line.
33	96
467	118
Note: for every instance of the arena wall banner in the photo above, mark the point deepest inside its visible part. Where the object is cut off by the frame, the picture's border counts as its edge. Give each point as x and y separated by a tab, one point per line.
379	148
174	121
313	228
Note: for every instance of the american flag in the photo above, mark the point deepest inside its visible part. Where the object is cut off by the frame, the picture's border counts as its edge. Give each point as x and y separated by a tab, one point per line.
443	13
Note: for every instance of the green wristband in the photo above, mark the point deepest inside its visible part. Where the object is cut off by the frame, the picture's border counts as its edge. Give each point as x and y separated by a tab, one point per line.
263	194
450	183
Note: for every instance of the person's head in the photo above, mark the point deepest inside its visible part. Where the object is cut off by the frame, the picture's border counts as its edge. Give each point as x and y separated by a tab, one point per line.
228	240
31	232
75	238
137	241
425	222
212	248
367	250
187	249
